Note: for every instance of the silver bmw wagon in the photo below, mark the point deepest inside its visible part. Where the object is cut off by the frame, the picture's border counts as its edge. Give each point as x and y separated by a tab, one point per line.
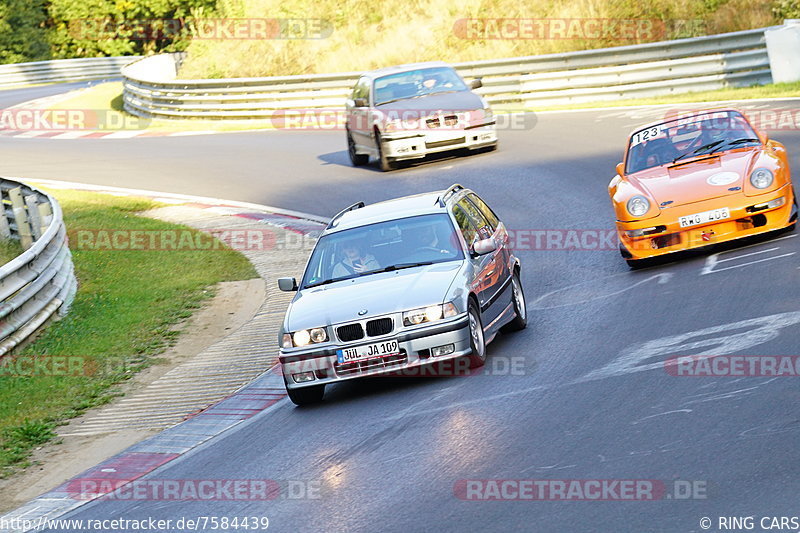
395	286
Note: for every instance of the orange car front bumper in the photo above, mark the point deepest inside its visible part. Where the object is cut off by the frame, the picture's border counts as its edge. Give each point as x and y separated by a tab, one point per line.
666	236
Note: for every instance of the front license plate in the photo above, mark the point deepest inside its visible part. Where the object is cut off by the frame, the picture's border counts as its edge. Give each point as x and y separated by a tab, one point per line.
705	217
368	351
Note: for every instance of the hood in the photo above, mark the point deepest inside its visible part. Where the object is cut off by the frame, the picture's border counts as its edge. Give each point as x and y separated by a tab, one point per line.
456	101
699	180
379	294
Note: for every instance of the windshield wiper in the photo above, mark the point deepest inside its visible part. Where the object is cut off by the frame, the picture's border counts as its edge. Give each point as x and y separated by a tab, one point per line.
403	98
399	266
717	146
327	281
709	146
742	141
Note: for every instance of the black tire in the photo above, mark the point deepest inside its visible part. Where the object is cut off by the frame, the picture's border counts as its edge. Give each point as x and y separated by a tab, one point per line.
383	162
520	321
477	342
306	395
357	160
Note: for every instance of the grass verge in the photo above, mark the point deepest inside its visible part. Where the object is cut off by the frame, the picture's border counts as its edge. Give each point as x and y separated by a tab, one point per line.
105	99
124	313
773	90
9	249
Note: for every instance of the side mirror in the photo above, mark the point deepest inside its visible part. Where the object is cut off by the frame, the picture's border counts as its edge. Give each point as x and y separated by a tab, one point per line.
475	84
762	136
484	246
287	284
620	169
360	102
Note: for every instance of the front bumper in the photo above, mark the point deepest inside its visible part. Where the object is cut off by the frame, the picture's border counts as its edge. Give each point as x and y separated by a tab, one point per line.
743	222
415	345
402	145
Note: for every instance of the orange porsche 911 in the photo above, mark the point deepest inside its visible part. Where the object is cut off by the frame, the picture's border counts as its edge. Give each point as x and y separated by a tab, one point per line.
697	180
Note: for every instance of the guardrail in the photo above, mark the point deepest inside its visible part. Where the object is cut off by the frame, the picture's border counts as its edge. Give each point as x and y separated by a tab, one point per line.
41	281
152	89
62	70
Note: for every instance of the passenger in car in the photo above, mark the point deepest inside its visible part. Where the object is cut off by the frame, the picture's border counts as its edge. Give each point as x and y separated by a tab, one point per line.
355	261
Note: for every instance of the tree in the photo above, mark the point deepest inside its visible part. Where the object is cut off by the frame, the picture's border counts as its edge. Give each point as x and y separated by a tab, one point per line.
22	31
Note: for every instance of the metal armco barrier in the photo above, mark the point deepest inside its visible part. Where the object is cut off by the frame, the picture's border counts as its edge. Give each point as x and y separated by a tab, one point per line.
151	87
41	281
62	70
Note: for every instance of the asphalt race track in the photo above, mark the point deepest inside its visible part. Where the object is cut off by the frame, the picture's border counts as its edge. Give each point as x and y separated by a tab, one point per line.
589	397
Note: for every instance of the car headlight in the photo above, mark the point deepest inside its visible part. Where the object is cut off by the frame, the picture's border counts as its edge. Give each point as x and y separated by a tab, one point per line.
432	313
638	206
304	337
761	178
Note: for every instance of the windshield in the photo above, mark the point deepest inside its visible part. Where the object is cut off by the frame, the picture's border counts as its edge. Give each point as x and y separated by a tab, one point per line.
688	137
382	247
415	83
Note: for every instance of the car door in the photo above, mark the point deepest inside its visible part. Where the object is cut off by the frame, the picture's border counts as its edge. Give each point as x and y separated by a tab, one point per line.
500	235
358	116
487	270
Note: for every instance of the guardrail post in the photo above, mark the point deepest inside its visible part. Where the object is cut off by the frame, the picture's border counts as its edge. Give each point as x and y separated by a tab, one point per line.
783	46
33	216
21	218
45	215
5	231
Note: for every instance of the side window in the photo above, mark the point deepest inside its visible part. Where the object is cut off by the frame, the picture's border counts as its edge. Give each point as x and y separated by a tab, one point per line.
484	229
361	90
464	224
485	210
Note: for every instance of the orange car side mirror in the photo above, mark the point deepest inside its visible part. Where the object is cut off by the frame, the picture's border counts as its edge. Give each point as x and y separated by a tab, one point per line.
762	135
620	169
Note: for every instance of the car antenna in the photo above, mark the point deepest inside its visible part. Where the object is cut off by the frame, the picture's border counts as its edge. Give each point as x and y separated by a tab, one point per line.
454	188
357	205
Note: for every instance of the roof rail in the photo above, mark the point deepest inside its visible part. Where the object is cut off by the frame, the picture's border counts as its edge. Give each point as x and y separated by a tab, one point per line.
357	205
454	188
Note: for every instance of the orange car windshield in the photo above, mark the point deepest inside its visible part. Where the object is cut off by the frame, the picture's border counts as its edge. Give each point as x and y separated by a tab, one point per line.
686	137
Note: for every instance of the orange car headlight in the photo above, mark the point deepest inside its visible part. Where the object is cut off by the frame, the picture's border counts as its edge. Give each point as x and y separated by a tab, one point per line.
638	206
761	178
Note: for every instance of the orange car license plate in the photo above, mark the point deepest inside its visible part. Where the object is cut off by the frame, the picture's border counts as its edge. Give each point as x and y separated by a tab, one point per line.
705	217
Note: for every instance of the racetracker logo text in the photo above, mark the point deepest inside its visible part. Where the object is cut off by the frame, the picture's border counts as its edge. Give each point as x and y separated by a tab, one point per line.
258	29
546	29
578	489
734	366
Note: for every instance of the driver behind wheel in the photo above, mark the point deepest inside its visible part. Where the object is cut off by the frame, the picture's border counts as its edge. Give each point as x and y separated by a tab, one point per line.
659	152
355	261
425	239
